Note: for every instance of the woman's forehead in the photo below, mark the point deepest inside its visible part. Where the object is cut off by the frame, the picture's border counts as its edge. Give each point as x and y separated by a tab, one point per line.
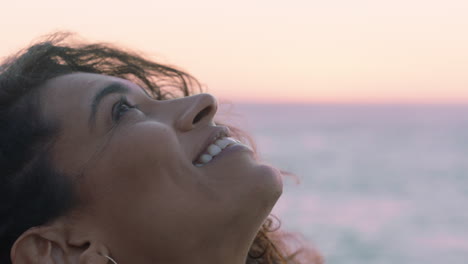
67	93
79	83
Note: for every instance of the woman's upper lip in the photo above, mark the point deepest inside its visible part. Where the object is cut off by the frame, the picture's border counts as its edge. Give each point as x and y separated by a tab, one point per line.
217	132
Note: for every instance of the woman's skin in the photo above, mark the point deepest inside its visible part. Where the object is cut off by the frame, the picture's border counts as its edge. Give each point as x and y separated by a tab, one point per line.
144	200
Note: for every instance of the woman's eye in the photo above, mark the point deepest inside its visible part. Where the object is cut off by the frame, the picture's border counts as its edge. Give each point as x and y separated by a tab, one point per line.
120	108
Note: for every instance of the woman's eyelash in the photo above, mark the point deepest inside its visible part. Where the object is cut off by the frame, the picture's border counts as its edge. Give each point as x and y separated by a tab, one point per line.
120	108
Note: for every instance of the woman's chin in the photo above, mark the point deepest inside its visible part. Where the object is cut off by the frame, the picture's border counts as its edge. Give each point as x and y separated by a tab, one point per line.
272	179
265	183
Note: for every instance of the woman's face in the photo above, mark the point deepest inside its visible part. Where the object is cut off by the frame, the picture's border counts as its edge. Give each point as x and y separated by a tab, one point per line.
134	169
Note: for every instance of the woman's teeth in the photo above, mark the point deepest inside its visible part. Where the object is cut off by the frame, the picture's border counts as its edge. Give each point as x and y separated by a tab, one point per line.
214	149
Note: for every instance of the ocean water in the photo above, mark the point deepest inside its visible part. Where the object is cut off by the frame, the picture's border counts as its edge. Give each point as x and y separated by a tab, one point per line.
380	184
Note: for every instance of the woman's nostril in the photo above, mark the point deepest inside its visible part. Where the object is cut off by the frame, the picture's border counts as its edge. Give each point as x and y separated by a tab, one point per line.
202	114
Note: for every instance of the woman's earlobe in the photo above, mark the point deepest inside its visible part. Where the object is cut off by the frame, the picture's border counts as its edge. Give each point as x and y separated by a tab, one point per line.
95	256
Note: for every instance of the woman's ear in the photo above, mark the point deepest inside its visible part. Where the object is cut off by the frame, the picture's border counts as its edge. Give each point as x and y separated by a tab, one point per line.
50	244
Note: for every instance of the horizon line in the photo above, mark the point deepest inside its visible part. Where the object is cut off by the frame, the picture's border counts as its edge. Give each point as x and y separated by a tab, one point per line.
270	102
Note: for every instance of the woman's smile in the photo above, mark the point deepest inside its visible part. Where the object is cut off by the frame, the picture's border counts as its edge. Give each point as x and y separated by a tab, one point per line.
217	145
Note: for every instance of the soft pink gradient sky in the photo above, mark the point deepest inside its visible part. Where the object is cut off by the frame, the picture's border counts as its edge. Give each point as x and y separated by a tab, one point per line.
296	51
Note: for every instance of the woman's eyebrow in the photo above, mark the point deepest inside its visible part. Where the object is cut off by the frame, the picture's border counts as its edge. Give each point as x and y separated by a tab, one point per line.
114	87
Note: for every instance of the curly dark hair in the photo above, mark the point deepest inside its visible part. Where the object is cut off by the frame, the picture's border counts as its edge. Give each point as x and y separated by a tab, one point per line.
32	193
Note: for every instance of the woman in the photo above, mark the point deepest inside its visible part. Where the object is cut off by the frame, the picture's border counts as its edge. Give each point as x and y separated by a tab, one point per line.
107	157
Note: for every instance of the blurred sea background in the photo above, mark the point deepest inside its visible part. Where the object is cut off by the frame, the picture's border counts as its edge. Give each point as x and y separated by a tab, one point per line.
380	184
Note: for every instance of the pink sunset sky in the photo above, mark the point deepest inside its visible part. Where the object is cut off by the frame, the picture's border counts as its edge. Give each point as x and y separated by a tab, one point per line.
400	51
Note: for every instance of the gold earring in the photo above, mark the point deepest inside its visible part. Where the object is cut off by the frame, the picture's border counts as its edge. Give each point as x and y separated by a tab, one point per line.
109	258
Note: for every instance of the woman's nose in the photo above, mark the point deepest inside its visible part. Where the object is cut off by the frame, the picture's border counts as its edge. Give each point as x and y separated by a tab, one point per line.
200	111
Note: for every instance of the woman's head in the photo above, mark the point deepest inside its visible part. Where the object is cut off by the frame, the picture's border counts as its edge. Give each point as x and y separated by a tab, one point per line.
100	153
